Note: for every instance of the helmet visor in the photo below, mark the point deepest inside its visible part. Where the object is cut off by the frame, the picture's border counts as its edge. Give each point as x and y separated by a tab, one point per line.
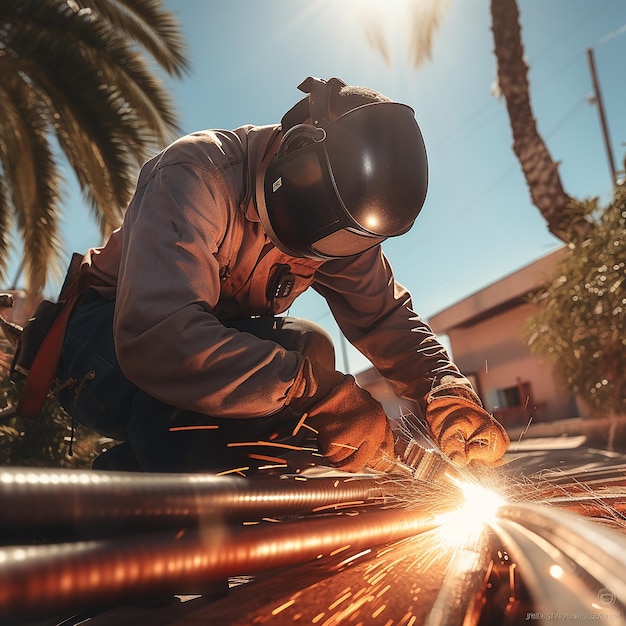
363	181
373	154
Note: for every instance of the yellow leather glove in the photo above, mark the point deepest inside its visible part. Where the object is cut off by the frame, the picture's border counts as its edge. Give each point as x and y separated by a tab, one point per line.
465	432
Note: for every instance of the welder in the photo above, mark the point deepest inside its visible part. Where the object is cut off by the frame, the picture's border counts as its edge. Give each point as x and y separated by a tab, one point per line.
174	335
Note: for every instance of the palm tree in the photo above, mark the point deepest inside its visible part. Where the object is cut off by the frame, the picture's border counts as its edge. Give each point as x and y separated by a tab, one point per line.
540	171
75	84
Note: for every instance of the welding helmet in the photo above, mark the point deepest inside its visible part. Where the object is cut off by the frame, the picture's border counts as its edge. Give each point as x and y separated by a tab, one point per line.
338	187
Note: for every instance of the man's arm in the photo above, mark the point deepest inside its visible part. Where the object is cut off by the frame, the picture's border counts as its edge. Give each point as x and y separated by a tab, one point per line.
169	342
376	315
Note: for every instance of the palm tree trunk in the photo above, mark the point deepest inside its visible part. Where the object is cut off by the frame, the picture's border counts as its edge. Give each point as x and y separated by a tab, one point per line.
540	170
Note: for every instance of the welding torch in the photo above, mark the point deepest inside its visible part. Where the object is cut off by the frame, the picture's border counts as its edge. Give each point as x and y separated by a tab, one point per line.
417	456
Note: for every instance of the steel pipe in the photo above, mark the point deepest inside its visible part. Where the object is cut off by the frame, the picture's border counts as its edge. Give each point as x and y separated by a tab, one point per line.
459	600
571	566
46	580
46	504
606	506
581	476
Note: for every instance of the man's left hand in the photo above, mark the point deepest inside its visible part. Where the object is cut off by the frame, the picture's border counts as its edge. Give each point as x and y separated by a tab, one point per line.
465	432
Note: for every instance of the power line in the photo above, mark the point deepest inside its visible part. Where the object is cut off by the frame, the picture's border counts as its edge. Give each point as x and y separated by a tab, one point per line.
594	12
616	33
465	127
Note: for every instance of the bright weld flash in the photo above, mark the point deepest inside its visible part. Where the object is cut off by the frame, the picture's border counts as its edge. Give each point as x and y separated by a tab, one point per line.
465	524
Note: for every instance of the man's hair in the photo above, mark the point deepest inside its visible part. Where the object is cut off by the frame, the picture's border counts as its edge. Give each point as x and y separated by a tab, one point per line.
342	98
349	97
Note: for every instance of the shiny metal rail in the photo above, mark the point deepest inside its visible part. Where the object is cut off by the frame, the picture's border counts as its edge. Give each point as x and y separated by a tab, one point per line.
595	474
606	506
573	569
41	503
460	598
40	581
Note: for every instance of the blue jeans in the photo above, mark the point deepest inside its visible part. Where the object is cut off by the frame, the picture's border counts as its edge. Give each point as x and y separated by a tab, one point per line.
163	438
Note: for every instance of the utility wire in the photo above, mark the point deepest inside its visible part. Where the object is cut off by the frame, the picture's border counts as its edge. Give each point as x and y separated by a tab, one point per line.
465	127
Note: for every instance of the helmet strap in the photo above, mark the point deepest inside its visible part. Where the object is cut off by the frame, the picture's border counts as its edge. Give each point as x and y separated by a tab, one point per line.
316	106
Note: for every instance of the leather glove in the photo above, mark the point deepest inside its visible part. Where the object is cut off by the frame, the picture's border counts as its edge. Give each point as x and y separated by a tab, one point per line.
351	425
465	432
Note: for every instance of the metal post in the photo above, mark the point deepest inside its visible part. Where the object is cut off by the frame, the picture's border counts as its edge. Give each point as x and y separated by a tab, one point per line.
603	123
344	352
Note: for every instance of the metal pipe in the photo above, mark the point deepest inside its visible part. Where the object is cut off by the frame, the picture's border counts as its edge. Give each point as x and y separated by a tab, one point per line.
601	476
609	506
47	580
567	562
47	504
459	600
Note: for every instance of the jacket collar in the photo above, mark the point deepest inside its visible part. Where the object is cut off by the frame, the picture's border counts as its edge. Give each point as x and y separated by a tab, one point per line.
263	142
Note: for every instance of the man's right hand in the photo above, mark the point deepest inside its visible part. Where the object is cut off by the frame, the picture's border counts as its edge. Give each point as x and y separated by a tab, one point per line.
352	426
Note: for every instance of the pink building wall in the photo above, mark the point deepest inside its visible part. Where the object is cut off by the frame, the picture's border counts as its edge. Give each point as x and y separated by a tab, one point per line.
497	356
486	334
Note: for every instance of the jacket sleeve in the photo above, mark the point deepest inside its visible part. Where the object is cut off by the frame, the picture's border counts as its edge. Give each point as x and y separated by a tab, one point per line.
376	315
168	341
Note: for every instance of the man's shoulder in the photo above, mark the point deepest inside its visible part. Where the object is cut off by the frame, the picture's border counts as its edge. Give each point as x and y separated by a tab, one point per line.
218	147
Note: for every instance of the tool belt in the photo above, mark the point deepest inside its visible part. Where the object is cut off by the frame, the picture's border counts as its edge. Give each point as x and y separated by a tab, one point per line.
41	342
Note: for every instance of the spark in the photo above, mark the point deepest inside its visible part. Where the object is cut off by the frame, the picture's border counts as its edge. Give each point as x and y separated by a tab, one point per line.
530	419
338	550
343	445
354	557
338	505
271	444
302	424
174	429
268	459
383	591
282	607
340	600
556	571
465	524
464	503
235	470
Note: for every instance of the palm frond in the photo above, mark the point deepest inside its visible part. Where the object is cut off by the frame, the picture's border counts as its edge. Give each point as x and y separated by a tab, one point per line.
6	212
425	17
82	65
375	33
145	22
28	162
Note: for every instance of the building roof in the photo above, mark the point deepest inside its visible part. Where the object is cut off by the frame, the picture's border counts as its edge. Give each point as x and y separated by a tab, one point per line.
497	297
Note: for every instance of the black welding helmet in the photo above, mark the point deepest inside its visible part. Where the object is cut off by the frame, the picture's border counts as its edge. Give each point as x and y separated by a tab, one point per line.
337	188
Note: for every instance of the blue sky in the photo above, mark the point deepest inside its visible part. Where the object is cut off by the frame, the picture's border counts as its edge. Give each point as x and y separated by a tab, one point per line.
478	223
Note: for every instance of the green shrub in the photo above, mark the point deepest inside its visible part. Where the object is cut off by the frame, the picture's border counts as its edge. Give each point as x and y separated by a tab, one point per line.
581	315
